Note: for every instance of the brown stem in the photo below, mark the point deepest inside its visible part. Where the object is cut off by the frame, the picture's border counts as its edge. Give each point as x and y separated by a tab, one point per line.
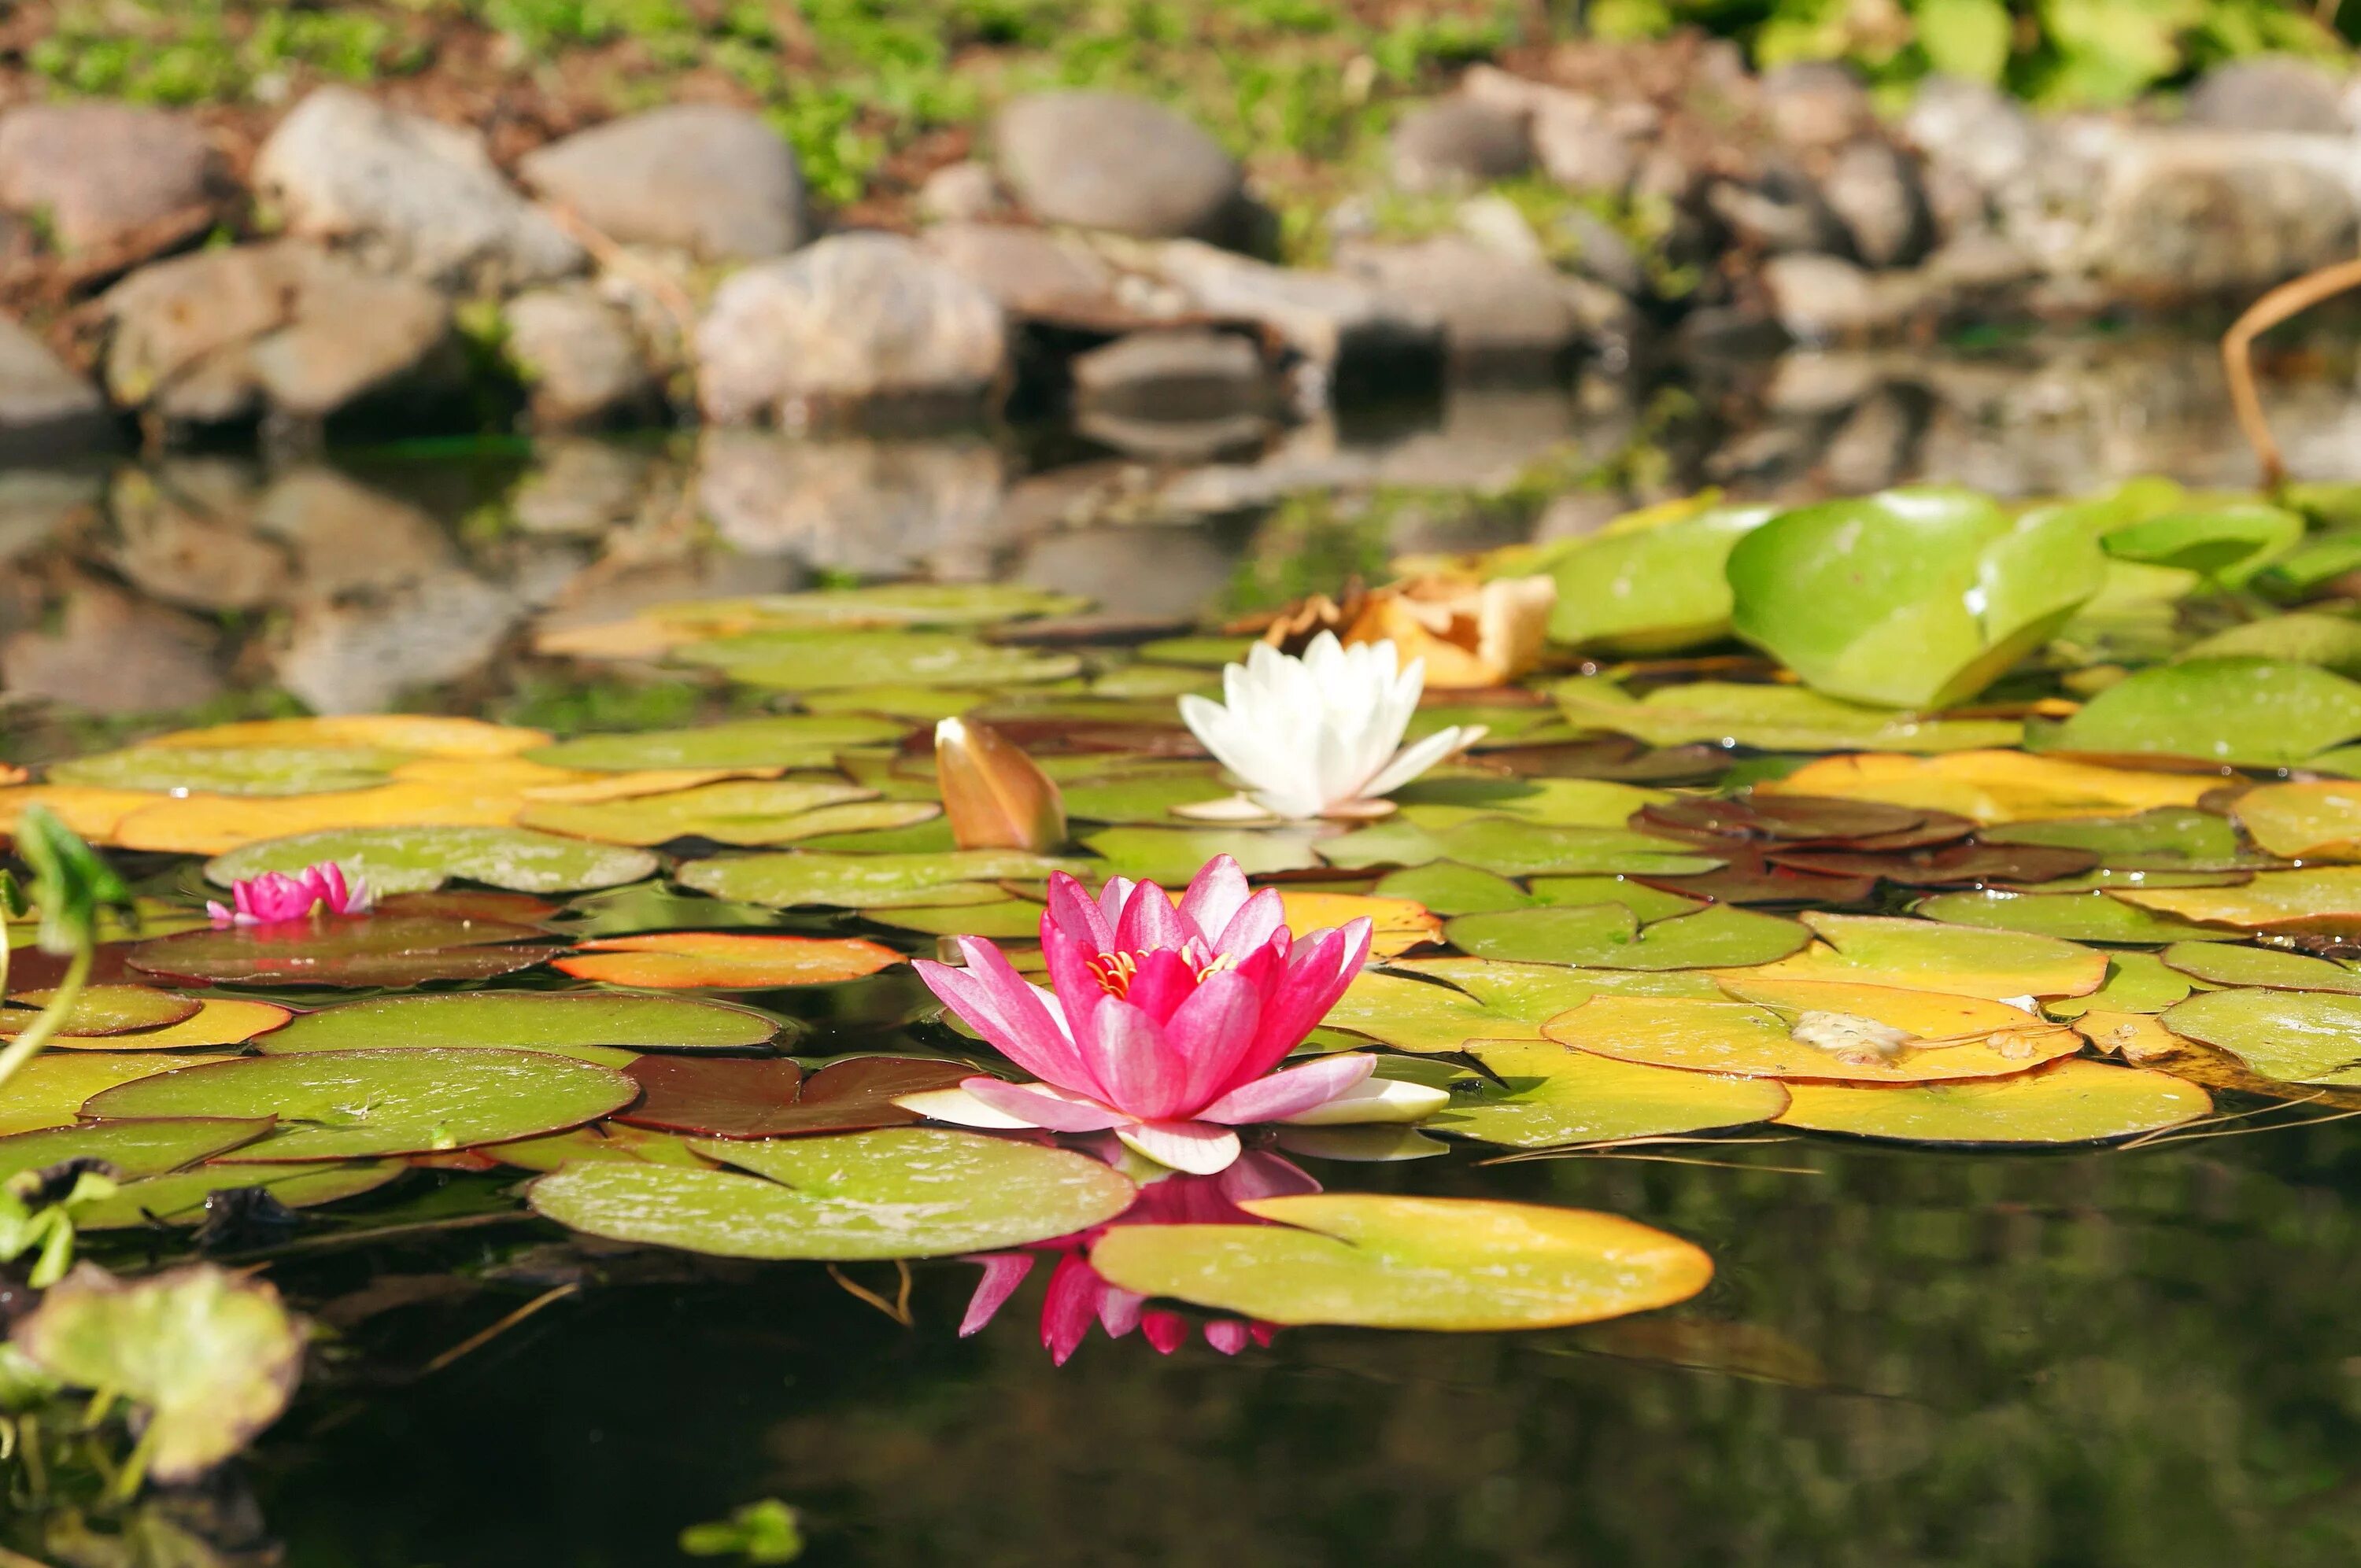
2288	300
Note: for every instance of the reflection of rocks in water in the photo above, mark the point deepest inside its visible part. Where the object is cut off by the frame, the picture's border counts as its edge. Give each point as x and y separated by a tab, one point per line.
855	505
617	587
111	653
1148	571
358	652
585	487
184	534
346	535
38	503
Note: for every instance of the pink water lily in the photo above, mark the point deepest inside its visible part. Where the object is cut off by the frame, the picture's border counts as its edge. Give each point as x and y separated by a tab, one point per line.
1166	1025
274	896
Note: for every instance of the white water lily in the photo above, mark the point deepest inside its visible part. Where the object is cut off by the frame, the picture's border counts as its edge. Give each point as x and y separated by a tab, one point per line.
1319	735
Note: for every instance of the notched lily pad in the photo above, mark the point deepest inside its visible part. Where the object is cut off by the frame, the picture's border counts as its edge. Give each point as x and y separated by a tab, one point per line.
417	860
740	1099
2065	1103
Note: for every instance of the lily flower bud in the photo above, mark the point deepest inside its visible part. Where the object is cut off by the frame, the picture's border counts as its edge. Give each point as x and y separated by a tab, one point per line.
996	796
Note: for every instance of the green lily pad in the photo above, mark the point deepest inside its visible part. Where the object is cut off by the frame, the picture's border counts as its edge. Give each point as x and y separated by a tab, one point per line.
1510	848
796	878
1448	888
1609	936
2243	712
377	949
418	859
2166	837
1172	855
647	906
101	1010
2303	637
1408	1263
50	1090
737	812
1769	718
2228	542
790	741
1439	803
212	1355
2297	1036
895	1193
912	704
230	769
1926	955
1437	1005
135	1149
1549	1095
2073	916
178	1197
1197	653
526	1020
2071	1102
910	604
2218	963
836	661
1140	797
1653	588
1650	903
371	1103
1911	598
2136	982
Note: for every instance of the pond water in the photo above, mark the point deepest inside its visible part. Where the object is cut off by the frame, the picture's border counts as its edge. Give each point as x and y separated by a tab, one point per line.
2125	1355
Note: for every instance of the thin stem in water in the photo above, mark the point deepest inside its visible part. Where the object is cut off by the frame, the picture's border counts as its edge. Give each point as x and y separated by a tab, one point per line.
37	1034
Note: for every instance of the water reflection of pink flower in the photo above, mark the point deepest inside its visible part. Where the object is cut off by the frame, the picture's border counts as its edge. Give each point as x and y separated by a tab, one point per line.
1078	1296
274	897
1167	1026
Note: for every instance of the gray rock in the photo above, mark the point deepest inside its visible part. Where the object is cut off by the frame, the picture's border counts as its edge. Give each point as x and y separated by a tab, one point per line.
1977	130
960	193
856	320
1814	104
95	173
1982	261
1874	189
2208	212
1032	272
1186	373
111	653
1821	298
45	410
182	536
2268	93
579	356
717	181
1601	253
1781	213
1498	224
219	335
1106	160
872	507
1452	144
1493	308
1581	143
1330	319
410	195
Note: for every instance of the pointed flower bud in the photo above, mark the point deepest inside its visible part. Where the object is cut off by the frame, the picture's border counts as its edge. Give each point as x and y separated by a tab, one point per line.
995	795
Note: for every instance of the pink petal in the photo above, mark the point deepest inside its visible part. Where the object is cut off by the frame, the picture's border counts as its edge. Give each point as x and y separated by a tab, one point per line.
1317	974
1072	1303
1119	1310
1134	1061
1263	1333
1044	1106
220	914
1196	1148
1149	921
1215	1029
1289	1093
1168	1331
1113	894
1216	894
1078	987
1257	921
1228	1336
1071	911
1003	1273
1163	980
1012	1016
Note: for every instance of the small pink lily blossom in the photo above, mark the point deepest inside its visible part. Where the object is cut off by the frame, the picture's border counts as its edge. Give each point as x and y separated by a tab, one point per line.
1079	1296
274	897
1165	1025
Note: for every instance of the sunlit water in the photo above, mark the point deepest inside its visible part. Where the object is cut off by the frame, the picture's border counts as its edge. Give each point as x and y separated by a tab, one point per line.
2140	1356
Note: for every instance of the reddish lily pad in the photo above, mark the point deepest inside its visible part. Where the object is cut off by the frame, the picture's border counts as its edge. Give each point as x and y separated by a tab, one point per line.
743	1099
371	950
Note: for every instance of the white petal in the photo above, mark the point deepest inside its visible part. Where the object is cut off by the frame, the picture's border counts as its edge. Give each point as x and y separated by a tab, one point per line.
1375	1100
1235	809
1199	1148
1415	760
959	1108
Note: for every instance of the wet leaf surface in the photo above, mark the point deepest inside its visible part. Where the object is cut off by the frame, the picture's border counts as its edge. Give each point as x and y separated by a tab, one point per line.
1547	1095
133	1149
795	879
416	860
743	1099
726	960
525	1020
2298	1036
1815	1030
101	1010
1609	935
2065	1103
379	950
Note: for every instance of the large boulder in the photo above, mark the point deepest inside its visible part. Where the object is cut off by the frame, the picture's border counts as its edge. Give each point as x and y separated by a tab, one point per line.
1336	321
703	178
98	174
1032	272
2269	93
1493	308
45	410
578	355
1455	143
2197	213
224	336
856	320
1106	160
409	194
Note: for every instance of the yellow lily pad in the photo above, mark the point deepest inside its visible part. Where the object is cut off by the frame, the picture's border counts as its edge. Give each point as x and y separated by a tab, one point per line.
1482	999
217	1022
2326	900
1996	786
1548	1095
48	1091
1925	955
2316	821
1869	1040
2065	1103
424	735
216	824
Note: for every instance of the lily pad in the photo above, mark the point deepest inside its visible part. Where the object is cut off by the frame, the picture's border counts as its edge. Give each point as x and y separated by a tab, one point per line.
212	1355
2244	712
229	770
377	949
739	812
727	1098
1146	798
2297	1036
2065	1103
725	960
1377	1261
1447	888
1851	1033
2320	820
2228	542
101	1010
896	1192
2136	982
2166	837
219	1020
1871	949
1609	935
1014	919
1510	848
1652	586
50	1090
1997	786
2221	964
2304	636
2075	917
1441	1004
133	1149
600	1140
416	860
835	661
1548	1095
1172	855
1436	803
2326	900
180	1198
370	1104
1770	718
797	879
789	740
524	1019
